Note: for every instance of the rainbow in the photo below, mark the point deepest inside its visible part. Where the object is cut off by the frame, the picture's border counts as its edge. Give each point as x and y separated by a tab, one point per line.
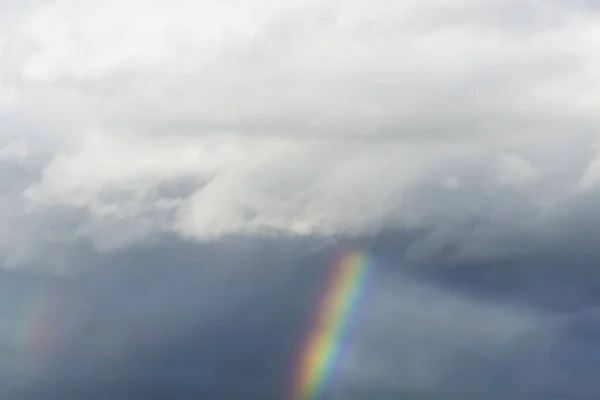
39	322
323	345
30	326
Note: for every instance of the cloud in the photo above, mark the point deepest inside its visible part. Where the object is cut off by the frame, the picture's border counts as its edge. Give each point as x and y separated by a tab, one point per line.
14	150
176	319
228	318
309	117
419	339
190	167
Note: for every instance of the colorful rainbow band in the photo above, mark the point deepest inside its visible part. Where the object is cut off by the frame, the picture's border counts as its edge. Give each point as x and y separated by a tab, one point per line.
324	343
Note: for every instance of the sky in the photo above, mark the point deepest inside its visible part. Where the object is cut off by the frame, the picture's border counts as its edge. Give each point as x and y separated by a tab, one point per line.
176	177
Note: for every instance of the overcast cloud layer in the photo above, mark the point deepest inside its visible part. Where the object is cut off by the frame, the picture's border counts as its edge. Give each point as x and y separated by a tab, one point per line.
193	166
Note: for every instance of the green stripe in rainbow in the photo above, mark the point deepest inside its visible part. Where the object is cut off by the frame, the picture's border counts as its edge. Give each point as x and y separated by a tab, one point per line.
323	345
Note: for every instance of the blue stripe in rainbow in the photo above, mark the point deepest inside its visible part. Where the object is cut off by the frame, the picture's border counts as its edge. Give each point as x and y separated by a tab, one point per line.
324	343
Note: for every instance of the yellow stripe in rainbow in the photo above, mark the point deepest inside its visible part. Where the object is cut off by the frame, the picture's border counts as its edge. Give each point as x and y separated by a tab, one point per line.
323	345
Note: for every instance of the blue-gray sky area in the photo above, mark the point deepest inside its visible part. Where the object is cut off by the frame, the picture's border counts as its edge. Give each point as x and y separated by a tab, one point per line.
177	178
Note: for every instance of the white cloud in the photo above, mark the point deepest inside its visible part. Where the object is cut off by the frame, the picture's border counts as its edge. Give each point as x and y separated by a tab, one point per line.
590	177
14	150
514	170
298	116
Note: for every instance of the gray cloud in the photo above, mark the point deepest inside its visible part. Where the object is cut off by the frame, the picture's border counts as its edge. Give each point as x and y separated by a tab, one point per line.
228	319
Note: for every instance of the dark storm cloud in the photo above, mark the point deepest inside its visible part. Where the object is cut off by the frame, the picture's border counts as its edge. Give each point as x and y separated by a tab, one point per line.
175	321
226	319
